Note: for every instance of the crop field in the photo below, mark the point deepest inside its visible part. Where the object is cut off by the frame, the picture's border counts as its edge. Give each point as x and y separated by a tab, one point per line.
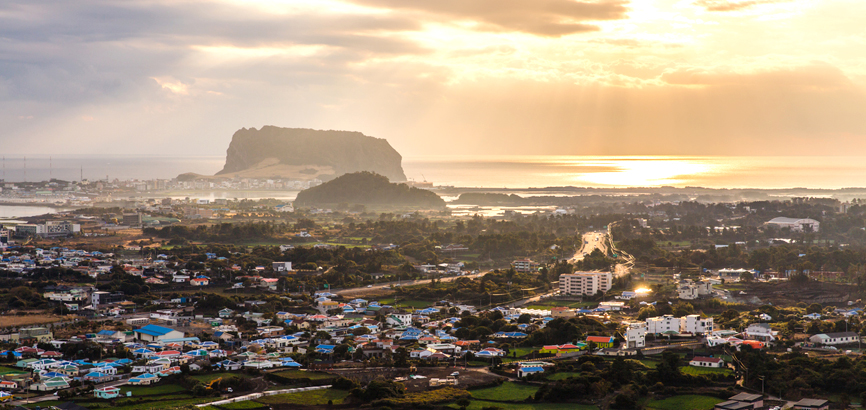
508	391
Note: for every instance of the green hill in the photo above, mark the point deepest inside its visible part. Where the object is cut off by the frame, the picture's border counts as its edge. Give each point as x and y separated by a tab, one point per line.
367	188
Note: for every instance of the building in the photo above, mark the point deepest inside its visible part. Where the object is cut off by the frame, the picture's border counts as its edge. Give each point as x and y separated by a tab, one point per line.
51	229
562	311
811	404
154	333
132	219
635	335
524	265
585	283
700	361
690	290
754	401
830	339
760	332
600	341
281	266
695	324
795	224
39	334
663	324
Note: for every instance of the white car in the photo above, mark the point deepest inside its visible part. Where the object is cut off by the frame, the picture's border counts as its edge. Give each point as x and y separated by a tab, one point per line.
369	286
455	374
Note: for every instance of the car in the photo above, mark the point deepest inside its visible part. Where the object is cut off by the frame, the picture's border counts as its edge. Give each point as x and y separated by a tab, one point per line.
369	286
455	374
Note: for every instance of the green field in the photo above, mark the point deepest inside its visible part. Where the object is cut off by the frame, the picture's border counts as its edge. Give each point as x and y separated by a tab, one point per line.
508	391
686	402
697	371
207	378
157	390
240	405
547	304
9	370
562	376
307	398
417	304
298	374
480	404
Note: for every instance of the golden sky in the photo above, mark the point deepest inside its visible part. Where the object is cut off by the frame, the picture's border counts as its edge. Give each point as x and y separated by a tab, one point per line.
565	77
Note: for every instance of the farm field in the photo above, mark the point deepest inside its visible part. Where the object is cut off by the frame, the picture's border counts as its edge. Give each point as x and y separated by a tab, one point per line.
308	398
689	401
508	391
697	371
480	404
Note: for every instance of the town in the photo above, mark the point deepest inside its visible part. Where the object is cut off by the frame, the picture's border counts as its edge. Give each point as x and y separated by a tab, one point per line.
239	304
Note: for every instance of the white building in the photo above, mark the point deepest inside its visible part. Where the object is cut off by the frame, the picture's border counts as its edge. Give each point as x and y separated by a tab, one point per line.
661	324
585	283
760	331
835	338
695	324
690	290
699	361
796	224
635	335
524	265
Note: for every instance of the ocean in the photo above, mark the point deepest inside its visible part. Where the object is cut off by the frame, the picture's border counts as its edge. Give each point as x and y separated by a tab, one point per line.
505	171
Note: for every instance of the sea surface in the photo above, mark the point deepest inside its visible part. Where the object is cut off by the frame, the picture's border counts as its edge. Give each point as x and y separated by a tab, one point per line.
504	171
22	211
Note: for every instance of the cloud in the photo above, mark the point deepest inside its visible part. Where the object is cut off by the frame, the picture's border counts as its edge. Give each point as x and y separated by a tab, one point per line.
550	18
733	5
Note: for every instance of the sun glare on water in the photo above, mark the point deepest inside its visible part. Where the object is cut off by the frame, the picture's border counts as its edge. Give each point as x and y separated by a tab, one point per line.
643	171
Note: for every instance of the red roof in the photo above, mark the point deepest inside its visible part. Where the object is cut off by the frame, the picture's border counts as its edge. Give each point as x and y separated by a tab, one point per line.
707	359
599	339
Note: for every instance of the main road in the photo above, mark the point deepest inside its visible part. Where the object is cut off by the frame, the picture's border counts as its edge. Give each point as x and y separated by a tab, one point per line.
600	240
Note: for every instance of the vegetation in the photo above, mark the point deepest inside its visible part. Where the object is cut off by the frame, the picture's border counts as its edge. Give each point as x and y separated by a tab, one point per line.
367	188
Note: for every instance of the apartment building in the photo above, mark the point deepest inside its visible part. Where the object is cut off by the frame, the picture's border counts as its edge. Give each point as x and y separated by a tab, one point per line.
585	283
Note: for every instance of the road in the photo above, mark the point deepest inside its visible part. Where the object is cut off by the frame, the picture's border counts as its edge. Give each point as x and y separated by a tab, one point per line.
383	285
599	240
591	242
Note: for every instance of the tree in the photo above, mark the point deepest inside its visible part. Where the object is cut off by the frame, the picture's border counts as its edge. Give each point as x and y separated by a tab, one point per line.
463	402
746	277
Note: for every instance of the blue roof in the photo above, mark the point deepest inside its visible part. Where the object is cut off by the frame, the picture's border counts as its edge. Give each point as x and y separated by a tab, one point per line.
531	369
154	330
105	332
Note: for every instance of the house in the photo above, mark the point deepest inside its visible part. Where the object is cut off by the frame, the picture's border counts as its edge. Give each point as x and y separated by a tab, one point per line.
635	335
154	333
8	385
813	316
144	379
695	324
829	339
754	401
733	405
811	404
761	332
600	341
281	266
700	361
399	319
526	371
524	265
106	392
199	281
226	313
562	311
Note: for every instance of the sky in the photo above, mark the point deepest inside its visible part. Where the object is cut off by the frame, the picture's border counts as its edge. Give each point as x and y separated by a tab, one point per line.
443	77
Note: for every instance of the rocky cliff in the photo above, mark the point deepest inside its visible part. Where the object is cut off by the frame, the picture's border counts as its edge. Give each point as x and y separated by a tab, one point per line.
301	153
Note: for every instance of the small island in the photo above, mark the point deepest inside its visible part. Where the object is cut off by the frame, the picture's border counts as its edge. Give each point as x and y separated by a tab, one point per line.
368	189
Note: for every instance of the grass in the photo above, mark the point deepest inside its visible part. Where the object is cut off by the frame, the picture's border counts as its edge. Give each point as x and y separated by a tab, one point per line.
508	391
298	374
562	376
207	378
9	370
307	398
417	304
238	405
685	402
697	371
480	404
157	390
523	351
